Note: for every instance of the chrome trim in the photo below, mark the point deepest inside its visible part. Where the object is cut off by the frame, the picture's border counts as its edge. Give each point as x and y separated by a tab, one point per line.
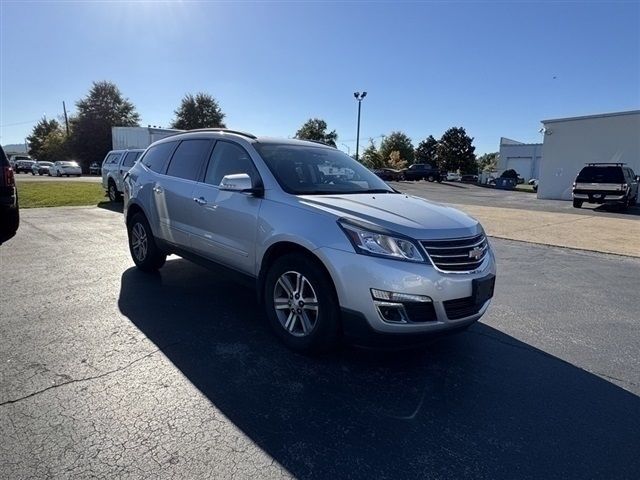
482	261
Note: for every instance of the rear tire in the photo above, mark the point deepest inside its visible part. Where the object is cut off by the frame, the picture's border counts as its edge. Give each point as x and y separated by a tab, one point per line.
301	304
431	178
142	245
577	203
114	194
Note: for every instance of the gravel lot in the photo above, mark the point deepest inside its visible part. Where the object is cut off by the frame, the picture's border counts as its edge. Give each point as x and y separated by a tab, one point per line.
109	372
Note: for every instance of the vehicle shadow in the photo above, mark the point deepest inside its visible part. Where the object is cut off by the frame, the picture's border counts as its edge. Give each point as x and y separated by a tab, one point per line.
111	206
477	405
633	211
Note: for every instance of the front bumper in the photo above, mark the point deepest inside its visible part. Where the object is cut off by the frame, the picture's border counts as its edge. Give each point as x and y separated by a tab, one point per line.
354	276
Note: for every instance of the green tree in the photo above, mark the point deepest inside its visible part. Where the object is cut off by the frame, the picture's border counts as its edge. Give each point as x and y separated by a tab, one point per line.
488	161
198	111
103	107
370	156
316	129
456	151
427	151
39	135
55	146
397	141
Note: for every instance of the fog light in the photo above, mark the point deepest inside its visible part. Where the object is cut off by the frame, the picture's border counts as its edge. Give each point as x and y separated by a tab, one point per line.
398	297
392	312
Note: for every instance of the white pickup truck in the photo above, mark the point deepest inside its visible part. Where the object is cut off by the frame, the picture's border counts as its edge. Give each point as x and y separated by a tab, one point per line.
114	166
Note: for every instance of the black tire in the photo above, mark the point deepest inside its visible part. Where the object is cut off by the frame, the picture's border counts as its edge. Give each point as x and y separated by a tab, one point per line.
113	193
58	174
151	258
577	203
324	323
431	178
32	173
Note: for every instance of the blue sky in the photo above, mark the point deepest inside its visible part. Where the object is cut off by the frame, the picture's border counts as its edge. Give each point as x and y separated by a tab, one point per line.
427	66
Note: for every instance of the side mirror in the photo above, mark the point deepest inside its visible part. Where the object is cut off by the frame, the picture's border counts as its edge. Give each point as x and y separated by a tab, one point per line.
240	182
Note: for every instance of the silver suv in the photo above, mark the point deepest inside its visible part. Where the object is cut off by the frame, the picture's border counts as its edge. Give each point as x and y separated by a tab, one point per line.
331	248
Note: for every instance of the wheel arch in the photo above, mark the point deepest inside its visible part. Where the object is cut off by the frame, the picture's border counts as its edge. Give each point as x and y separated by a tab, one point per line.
279	249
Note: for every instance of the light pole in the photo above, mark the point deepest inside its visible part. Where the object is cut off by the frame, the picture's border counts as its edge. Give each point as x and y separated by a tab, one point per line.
359	97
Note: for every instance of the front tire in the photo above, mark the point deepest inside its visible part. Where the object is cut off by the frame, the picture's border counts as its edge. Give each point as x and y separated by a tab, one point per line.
301	304
142	245
577	203
431	178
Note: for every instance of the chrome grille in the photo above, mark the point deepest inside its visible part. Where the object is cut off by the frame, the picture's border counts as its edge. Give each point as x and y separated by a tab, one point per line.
456	254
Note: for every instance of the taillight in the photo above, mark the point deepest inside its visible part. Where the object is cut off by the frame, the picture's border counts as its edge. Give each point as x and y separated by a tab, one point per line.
9	180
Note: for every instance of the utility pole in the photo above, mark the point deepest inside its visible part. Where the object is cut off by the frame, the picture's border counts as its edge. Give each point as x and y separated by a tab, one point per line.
66	120
359	97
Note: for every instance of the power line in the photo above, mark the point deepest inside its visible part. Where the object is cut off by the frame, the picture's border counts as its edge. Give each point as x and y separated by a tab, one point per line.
19	123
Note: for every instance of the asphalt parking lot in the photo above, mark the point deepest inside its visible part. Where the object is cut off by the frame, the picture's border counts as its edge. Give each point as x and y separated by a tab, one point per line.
469	194
109	372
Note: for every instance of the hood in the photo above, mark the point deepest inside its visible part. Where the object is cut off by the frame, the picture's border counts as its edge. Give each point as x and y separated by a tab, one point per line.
414	217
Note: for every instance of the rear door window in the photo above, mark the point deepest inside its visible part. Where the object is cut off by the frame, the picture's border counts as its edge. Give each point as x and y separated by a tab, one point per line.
157	156
130	159
189	158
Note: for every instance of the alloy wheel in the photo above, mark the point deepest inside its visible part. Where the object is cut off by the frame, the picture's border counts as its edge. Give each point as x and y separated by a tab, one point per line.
139	242
296	303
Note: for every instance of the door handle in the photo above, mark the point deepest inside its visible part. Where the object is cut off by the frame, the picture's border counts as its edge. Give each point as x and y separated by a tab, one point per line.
157	189
200	201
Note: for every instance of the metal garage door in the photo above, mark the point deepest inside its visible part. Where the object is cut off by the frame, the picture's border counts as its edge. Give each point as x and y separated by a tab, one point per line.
522	165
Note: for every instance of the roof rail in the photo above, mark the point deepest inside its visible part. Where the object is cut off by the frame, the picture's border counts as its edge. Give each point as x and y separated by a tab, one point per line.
617	164
223	130
316	141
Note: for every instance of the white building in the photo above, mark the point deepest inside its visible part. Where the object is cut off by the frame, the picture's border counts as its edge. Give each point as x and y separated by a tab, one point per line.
569	143
123	138
524	158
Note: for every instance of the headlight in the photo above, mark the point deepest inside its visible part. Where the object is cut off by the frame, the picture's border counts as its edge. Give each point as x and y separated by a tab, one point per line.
369	242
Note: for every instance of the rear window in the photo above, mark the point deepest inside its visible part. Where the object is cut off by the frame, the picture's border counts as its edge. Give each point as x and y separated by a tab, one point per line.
188	159
600	175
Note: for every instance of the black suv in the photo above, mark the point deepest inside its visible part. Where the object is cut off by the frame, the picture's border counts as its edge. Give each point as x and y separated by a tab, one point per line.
422	171
9	214
611	183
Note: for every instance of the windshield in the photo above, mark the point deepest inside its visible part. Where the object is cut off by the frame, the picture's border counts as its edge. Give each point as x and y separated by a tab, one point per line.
601	175
305	169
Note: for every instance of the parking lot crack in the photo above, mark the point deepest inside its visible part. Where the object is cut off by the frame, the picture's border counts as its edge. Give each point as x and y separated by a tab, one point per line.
91	378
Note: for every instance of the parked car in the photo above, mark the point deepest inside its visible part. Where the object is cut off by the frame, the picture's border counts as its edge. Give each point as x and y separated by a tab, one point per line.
114	166
389	174
41	168
18	156
422	171
534	183
94	168
453	177
9	208
23	166
469	178
328	257
67	168
611	183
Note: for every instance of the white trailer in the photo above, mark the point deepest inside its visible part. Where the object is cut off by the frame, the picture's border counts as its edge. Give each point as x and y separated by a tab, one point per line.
127	138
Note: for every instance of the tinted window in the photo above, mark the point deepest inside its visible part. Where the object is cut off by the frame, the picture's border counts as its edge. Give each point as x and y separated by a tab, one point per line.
130	159
228	159
112	158
302	169
188	159
601	175
156	157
